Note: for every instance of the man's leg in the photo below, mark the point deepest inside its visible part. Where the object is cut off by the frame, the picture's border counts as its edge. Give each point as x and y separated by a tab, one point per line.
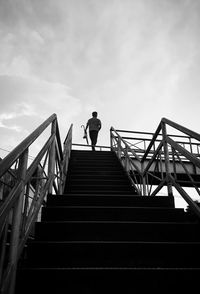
93	137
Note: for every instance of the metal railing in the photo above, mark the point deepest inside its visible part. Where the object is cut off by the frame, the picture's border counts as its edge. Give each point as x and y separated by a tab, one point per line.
23	191
156	157
126	154
24	186
89	147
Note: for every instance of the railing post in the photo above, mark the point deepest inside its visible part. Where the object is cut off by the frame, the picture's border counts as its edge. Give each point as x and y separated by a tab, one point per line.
17	220
119	148
66	156
126	163
111	140
144	190
167	162
52	154
111	145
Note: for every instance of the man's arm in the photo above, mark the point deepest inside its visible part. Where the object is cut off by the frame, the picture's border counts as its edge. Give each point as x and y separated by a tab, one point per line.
99	125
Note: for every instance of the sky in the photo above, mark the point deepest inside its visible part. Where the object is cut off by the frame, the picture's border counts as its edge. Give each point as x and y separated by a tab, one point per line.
132	61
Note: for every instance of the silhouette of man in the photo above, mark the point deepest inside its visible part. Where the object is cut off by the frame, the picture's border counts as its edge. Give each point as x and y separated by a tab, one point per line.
94	125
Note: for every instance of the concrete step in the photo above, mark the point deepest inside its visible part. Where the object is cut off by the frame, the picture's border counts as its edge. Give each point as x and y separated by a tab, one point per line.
113	254
97	181
96	173
109	200
117	231
109	213
74	162
97	187
108	280
87	168
96	177
109	191
90	154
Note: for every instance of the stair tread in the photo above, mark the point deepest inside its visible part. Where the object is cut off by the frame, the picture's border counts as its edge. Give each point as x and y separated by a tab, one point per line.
113	268
97	195
122	182
114	207
100	192
133	196
38	242
94	185
122	222
113	199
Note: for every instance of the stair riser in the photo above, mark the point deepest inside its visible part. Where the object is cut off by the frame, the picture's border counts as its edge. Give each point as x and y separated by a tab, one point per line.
92	168
112	214
98	182
95	281
89	154
89	231
97	169
99	192
113	255
75	152
96	172
75	188
91	162
84	179
106	200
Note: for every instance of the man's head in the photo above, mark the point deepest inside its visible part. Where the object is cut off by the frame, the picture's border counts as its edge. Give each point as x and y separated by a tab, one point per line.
94	114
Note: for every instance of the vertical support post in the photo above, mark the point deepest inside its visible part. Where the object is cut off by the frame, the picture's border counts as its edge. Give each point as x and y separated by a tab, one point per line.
144	190
174	164
66	156
1	188
190	142
26	203
65	164
161	164
126	163
119	148
17	220
167	161
52	153
3	246
111	141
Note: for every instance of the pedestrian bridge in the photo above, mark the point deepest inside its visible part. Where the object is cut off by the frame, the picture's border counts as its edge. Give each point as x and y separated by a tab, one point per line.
170	155
168	159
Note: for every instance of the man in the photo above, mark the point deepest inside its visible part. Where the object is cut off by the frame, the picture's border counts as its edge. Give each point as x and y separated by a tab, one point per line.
94	125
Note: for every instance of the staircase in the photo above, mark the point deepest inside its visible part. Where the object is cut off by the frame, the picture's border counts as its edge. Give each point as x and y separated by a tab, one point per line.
99	237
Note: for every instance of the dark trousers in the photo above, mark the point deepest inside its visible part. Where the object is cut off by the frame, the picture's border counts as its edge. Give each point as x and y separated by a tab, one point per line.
93	138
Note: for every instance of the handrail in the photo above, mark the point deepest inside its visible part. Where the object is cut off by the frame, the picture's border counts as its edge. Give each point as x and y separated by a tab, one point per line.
25	187
141	140
28	188
123	141
67	146
146	133
157	159
152	142
126	160
8	161
184	130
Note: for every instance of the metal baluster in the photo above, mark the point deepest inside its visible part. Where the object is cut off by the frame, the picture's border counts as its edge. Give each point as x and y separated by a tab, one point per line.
51	166
167	161
17	220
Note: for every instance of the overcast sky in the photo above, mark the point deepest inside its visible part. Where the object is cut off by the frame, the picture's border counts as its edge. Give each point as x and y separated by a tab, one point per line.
133	61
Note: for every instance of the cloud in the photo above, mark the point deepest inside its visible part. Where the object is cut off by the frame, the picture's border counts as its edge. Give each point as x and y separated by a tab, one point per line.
132	61
27	102
32	96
